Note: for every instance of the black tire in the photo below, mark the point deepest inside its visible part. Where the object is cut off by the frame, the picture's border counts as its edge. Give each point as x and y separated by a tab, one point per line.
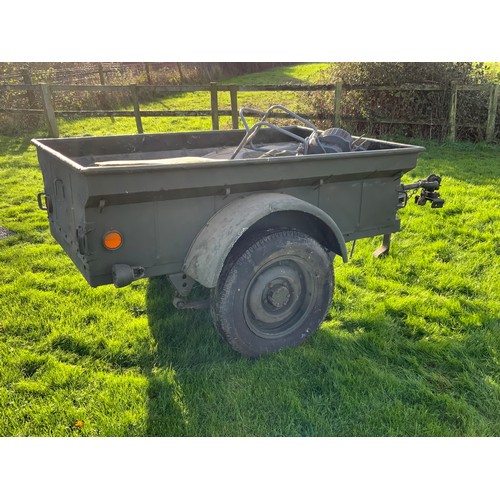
273	293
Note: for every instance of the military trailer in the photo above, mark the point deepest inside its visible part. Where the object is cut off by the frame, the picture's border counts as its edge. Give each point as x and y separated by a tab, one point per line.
254	215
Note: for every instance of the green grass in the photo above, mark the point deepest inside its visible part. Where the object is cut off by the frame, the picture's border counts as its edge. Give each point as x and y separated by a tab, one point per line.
303	74
411	346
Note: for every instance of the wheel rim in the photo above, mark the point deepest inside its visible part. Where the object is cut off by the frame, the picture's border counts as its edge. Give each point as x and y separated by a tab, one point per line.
280	297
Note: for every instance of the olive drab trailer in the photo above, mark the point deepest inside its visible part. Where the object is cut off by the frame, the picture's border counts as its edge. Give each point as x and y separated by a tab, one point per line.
255	215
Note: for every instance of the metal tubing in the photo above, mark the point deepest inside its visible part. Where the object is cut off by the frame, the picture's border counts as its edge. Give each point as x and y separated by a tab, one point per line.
252	131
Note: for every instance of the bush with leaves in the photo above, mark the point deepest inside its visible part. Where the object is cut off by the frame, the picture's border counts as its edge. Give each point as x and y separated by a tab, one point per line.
363	107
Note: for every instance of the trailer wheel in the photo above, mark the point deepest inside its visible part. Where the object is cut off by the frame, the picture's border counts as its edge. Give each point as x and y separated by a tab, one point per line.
273	293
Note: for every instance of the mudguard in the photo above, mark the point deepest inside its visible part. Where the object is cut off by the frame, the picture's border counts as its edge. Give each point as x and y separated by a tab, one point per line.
209	250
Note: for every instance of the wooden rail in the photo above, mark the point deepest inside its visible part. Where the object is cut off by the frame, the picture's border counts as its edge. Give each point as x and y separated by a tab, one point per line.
46	92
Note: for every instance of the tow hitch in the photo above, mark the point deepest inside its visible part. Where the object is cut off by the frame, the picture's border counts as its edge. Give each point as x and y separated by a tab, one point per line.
429	192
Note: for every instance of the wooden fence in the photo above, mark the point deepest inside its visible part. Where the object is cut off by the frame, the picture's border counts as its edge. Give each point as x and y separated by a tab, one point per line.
90	73
45	91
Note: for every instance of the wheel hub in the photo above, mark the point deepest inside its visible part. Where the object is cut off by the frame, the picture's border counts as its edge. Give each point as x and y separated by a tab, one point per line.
279	296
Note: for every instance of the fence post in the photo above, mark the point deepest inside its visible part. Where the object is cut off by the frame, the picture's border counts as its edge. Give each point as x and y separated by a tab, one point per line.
32	120
338	102
214	106
492	113
137	112
101	73
179	69
233	90
48	107
148	73
452	121
103	98
28	81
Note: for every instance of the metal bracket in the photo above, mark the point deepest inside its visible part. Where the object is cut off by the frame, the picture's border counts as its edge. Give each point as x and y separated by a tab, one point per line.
180	303
81	236
182	283
59	189
383	250
47	207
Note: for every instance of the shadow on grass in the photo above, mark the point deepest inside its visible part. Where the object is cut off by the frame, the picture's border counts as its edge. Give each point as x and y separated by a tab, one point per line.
16	145
362	378
186	347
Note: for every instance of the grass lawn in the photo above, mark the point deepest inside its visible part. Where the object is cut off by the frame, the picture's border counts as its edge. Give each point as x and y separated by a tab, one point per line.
411	346
303	74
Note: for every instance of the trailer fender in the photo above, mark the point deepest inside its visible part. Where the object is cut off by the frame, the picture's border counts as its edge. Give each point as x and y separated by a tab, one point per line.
209	250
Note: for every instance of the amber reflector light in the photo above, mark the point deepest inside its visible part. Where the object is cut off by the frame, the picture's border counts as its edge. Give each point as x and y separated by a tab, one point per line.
112	240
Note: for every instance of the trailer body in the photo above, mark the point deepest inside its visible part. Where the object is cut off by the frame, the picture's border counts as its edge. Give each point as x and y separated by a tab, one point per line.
160	209
181	206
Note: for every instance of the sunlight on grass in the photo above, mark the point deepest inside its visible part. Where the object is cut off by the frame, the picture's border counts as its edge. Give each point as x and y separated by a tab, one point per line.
303	74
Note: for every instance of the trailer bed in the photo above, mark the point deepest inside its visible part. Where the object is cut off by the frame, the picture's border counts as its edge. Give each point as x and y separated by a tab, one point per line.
163	188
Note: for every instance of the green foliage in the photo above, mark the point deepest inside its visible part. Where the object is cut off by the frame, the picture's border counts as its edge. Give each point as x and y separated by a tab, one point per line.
410	347
398	73
428	109
492	71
